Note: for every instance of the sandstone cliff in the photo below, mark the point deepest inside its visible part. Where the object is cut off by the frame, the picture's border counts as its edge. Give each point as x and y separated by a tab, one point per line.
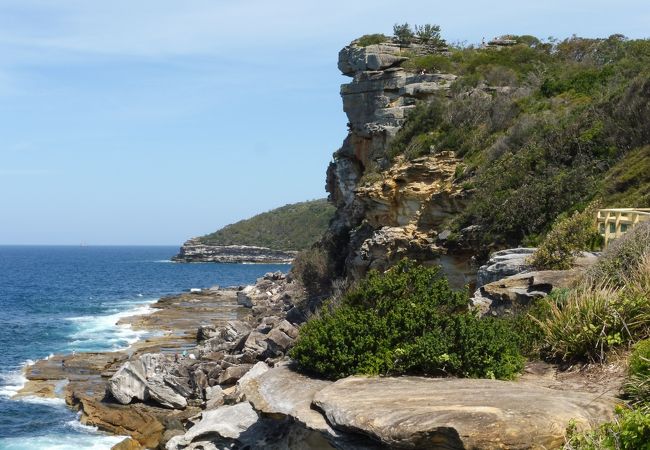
399	213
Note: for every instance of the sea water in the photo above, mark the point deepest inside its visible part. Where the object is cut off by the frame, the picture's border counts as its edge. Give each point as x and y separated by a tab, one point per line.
59	299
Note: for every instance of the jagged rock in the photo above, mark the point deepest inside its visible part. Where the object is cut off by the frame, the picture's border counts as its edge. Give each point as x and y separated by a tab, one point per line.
178	384
255	343
227	337
164	395
519	291
388	245
143	379
287	328
411	412
503	264
234	373
278	342
129	382
227	421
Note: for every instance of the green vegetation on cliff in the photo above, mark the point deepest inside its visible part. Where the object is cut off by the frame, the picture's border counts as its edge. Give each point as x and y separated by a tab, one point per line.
290	227
542	129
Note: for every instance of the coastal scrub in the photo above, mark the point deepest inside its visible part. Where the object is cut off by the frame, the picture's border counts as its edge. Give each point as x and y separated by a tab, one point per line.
406	321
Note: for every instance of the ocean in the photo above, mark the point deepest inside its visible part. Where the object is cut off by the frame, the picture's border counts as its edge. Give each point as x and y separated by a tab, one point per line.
60	299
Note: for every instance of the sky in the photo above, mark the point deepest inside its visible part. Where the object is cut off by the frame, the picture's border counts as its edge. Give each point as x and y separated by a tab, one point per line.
152	121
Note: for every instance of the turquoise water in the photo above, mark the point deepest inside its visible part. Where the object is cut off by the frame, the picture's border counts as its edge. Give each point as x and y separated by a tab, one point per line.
64	299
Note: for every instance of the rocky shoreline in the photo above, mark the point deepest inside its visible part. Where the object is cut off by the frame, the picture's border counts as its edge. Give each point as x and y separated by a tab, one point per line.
195	251
214	374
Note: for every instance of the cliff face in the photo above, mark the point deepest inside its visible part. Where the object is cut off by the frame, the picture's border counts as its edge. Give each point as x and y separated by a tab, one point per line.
400	212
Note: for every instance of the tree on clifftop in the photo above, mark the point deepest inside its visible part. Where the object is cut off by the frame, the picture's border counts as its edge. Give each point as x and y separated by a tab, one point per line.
403	33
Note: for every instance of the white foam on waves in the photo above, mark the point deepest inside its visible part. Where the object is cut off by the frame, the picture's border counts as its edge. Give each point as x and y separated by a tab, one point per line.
73	441
13	381
102	332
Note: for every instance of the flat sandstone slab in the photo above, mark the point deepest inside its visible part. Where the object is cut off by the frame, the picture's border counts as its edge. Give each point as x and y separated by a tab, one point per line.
413	412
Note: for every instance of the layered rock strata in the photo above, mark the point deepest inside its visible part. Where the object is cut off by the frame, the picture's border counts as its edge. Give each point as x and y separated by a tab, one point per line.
195	251
403	412
386	209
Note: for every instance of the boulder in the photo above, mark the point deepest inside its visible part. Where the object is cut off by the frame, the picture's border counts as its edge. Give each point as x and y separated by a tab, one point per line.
164	395
516	292
233	373
227	422
255	343
128	382
147	378
278	342
413	412
281	391
504	263
127	444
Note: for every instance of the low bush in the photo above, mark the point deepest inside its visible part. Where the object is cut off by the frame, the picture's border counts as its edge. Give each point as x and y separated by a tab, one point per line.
585	325
313	269
596	317
567	238
407	320
372	39
623	256
629	431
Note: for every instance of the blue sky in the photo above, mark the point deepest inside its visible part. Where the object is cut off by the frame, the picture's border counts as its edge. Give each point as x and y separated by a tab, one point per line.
150	121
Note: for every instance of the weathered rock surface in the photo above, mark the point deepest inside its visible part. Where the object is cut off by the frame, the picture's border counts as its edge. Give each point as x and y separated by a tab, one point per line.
195	251
503	264
516	292
411	412
513	261
383	218
127	444
142	379
227	422
282	391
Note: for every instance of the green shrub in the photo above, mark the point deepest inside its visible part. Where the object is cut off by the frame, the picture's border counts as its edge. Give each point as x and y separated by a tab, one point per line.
407	320
637	386
429	34
312	268
568	237
623	256
372	39
629	431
